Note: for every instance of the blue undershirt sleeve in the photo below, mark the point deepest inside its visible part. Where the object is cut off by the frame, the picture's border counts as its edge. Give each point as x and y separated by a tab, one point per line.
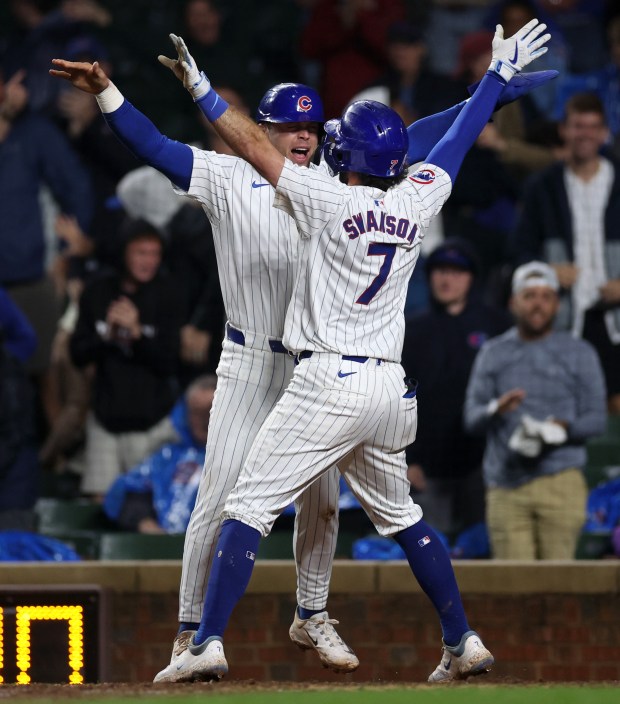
174	159
426	132
449	153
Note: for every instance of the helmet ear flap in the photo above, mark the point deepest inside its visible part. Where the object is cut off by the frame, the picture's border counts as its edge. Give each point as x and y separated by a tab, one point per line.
333	156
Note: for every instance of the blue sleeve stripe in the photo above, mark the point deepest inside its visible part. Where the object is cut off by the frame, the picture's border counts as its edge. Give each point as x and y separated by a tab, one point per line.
174	159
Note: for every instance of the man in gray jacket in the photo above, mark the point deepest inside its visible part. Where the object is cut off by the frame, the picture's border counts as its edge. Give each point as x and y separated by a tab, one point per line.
539	395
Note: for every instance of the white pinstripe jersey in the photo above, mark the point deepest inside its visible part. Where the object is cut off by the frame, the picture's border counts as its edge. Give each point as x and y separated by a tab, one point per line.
359	248
256	245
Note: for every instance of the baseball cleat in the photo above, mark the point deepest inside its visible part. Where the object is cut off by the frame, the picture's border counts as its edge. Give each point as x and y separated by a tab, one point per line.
199	663
464	660
318	633
519	85
179	646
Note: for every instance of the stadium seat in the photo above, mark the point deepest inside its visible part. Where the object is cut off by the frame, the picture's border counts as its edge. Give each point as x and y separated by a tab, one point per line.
596	474
278	545
76	522
613	427
593	546
140	546
84	542
62	515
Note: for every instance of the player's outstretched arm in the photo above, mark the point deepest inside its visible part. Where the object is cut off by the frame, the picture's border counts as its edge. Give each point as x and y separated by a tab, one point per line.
174	159
236	129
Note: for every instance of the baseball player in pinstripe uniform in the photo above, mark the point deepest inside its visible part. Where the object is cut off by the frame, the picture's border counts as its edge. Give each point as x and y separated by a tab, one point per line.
347	403
256	249
375	408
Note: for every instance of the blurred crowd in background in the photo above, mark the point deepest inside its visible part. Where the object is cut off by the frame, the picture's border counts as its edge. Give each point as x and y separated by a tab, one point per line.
110	309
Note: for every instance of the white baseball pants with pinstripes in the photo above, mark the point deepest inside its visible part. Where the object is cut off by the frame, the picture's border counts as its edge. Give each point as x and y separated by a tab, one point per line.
250	382
334	412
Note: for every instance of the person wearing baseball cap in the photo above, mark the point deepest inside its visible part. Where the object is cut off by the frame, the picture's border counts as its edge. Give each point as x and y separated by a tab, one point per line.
538	394
534	274
441	343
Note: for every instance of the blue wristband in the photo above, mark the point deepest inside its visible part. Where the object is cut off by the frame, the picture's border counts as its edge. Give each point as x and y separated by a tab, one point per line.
212	105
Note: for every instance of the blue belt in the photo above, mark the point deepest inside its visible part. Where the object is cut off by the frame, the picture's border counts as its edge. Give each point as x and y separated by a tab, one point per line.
306	354
238	338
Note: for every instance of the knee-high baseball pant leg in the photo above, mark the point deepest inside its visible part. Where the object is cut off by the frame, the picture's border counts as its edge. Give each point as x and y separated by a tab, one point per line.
250	382
314	541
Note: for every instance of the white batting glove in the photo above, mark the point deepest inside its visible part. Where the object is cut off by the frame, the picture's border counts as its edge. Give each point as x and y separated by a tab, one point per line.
184	67
512	54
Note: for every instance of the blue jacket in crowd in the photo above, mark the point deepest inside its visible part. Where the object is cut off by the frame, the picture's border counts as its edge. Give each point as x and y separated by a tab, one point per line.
171	474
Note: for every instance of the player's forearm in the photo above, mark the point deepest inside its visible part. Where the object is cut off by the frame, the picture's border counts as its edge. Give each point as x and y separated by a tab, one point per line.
174	159
247	139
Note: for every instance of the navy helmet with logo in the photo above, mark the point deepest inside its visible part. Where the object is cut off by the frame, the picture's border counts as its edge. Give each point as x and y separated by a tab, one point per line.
290	102
369	138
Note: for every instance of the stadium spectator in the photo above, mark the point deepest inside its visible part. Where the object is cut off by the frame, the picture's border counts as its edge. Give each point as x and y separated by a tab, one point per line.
128	330
605	82
448	23
33	154
158	495
348	40
189	257
408	85
571	219
43	28
538	395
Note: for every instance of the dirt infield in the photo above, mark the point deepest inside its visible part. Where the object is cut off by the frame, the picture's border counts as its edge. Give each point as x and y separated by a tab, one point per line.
149	689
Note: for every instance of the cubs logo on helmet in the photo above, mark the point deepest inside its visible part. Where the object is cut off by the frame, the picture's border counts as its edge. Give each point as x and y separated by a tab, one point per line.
304	103
290	102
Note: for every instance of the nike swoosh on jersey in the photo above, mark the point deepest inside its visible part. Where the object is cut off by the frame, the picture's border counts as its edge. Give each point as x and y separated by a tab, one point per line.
513	61
258	185
342	375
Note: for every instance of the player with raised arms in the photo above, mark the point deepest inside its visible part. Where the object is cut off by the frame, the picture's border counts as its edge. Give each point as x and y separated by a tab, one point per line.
346	402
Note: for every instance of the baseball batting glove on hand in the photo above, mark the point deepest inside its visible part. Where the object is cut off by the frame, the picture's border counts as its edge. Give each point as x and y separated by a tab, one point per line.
512	54
185	69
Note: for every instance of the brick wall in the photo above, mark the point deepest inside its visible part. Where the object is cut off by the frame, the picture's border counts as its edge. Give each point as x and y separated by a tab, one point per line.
543	621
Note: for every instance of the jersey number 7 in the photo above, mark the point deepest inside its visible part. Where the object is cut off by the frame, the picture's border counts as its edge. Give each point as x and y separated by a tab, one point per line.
378	249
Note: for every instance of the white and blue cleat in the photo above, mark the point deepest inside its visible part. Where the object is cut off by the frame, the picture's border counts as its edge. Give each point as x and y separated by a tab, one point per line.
467	659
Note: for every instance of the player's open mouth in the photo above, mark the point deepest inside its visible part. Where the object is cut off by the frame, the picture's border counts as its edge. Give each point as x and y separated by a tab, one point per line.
299	155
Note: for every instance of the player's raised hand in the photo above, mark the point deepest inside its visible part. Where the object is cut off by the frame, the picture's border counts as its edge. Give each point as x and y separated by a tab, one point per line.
90	78
512	54
185	69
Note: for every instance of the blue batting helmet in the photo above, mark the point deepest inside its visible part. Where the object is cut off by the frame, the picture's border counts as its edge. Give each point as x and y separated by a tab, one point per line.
290	102
369	138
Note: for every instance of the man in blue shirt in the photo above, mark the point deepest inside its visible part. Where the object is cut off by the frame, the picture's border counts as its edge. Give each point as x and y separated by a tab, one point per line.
538	395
